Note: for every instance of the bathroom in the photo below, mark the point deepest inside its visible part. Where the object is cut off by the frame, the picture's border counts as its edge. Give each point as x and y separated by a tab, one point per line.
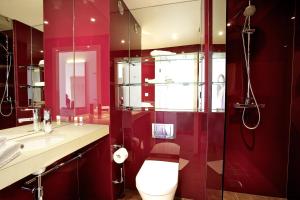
169	99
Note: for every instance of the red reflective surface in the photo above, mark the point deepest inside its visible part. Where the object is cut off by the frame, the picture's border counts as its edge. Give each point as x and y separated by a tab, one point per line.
78	72
199	135
77	80
58	36
294	155
256	161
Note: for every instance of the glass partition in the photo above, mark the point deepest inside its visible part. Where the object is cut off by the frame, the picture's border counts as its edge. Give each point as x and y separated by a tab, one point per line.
164	99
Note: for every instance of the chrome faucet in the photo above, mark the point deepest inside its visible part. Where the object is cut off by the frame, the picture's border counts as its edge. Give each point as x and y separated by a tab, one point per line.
34	118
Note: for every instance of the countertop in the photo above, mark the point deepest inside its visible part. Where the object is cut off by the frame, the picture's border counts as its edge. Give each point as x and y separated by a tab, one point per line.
31	160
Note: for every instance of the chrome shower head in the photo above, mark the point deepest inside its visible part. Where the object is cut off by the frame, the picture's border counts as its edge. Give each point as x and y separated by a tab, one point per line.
249	10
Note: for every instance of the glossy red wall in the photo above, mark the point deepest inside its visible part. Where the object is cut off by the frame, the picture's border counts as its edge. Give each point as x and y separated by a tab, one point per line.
256	161
77	32
58	35
199	134
294	154
121	28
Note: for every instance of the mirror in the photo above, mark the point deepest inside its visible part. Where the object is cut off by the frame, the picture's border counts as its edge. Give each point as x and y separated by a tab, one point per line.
35	70
25	57
166	71
22	68
6	67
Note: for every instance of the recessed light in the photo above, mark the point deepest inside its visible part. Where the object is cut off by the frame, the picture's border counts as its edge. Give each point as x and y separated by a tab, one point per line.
293	17
228	24
221	33
92	19
122	41
41	51
46	22
174	36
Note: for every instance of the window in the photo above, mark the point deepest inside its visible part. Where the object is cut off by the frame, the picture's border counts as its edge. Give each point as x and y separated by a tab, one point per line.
218	82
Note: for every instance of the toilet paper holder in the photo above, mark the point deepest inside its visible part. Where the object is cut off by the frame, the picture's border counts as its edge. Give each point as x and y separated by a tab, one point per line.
121	180
117	146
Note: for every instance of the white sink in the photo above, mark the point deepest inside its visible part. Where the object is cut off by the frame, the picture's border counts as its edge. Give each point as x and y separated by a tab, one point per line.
39	142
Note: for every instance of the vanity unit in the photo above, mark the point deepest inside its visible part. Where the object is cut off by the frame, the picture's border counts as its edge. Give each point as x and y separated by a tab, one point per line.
56	149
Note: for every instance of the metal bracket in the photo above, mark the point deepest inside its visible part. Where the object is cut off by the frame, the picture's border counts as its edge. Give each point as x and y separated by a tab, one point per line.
121	179
117	146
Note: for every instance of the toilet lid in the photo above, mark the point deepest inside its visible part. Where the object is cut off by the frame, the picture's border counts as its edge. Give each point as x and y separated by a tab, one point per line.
157	177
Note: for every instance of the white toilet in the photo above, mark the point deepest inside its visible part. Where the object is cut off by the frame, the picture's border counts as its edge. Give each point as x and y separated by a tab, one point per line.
157	180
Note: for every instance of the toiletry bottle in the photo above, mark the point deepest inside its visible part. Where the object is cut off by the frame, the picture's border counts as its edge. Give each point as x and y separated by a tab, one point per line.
47	121
36	125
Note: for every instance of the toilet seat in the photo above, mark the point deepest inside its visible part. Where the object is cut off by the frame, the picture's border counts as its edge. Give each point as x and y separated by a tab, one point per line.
157	177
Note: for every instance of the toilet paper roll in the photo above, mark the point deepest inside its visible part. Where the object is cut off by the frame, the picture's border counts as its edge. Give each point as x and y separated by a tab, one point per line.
120	155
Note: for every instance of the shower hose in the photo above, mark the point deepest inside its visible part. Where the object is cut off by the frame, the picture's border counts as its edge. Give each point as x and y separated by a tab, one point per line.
247	30
5	92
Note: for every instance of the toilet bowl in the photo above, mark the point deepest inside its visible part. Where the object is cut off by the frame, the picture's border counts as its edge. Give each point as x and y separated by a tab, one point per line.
157	180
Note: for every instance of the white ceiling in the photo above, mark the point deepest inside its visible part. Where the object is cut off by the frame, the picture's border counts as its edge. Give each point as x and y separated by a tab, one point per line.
137	4
164	23
29	12
167	23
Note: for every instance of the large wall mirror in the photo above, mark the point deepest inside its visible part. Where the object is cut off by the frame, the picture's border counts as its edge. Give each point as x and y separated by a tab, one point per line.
166	71
21	60
75	62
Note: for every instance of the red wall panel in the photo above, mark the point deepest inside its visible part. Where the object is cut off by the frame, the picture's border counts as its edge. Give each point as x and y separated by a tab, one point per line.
256	161
294	154
77	34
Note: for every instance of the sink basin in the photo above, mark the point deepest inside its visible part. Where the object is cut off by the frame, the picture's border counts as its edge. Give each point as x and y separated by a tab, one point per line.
39	142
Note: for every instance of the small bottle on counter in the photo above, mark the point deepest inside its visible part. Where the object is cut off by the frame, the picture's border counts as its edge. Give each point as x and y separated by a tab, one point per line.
76	121
47	121
80	121
58	119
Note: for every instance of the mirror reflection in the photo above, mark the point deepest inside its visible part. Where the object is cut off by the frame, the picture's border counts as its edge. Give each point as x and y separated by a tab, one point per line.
162	66
167	71
22	63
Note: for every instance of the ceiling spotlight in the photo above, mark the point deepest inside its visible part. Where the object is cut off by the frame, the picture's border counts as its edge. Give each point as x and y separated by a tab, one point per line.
293	17
122	41
41	51
228	24
46	22
92	19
